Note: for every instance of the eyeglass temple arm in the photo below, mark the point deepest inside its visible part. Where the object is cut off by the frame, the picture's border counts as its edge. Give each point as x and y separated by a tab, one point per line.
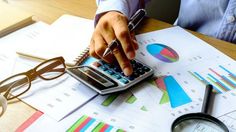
50	68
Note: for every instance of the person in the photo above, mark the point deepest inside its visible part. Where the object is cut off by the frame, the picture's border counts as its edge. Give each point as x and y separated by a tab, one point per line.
211	17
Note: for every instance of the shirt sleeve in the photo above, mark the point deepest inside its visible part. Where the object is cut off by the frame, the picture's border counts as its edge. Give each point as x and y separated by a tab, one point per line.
126	7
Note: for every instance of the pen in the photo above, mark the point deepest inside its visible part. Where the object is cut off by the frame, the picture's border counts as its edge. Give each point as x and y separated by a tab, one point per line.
134	21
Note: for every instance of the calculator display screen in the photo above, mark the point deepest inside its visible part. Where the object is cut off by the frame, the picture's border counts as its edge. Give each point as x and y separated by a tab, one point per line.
95	76
92	77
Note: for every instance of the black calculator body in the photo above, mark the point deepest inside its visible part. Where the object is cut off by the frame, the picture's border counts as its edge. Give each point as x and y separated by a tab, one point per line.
108	78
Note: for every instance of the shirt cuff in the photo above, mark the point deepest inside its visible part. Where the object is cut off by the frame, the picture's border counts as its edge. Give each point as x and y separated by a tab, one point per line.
126	7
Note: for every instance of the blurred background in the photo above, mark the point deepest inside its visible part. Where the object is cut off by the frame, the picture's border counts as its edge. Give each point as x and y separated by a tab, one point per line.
164	10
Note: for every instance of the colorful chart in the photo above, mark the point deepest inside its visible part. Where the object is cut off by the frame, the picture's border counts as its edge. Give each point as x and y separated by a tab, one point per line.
86	123
162	52
172	91
131	99
159	82
109	99
222	79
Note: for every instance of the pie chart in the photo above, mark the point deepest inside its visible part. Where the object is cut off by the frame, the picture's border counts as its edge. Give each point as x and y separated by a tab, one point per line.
162	52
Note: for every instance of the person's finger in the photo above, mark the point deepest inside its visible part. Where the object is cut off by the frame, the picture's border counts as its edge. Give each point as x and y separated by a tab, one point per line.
122	34
123	61
119	54
92	49
100	47
134	41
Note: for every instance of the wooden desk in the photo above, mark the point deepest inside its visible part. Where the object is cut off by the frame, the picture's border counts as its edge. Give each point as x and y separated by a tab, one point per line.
48	11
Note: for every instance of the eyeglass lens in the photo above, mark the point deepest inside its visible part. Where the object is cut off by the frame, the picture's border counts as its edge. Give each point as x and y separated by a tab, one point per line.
17	85
51	69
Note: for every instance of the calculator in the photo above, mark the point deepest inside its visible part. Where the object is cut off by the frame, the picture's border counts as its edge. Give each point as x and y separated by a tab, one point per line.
108	78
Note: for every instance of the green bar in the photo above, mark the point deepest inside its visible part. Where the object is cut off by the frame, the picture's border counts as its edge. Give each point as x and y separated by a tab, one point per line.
152	82
195	76
216	84
143	108
120	130
109	99
77	123
98	127
232	78
131	99
164	98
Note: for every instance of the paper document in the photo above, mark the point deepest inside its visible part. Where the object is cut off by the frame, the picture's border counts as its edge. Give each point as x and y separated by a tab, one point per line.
56	98
9	44
69	37
121	112
183	66
114	112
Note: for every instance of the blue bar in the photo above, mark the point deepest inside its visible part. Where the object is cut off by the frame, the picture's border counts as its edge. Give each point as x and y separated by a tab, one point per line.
87	125
176	93
227	71
206	82
219	82
201	78
109	129
229	81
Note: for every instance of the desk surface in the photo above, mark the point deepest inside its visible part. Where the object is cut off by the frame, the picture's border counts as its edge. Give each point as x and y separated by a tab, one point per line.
48	11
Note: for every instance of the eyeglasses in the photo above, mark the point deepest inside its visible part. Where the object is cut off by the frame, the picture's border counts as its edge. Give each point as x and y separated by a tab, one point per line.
21	83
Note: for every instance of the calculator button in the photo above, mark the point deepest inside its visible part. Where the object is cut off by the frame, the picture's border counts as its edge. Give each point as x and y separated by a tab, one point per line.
146	69
107	65
102	62
134	66
139	64
131	78
96	64
117	69
140	71
110	65
135	74
110	72
103	68
117	76
133	62
123	80
122	73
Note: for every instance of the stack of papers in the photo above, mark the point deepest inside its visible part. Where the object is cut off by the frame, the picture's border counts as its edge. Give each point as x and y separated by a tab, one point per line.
183	66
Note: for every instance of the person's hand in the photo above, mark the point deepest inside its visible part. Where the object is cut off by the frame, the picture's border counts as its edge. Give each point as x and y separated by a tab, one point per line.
110	26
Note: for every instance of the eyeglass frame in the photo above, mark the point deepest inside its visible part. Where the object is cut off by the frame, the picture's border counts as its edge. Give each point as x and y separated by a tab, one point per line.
33	74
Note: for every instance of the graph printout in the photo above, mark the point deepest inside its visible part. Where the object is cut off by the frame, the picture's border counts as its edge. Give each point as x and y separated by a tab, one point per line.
183	65
126	112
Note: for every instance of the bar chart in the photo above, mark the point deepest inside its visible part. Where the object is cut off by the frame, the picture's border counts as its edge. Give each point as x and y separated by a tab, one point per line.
172	91
108	101
86	123
222	78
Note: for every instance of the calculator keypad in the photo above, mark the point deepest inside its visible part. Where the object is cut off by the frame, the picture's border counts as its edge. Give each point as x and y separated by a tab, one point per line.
116	73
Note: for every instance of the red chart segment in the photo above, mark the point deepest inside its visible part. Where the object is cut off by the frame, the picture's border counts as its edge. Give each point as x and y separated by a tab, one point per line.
162	52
